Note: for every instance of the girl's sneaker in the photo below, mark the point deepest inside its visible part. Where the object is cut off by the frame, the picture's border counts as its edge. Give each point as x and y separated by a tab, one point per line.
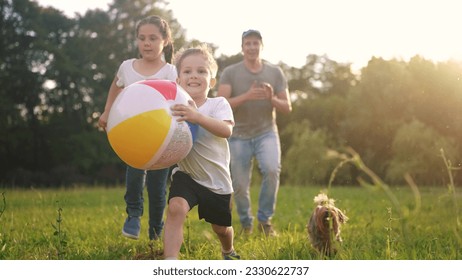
132	227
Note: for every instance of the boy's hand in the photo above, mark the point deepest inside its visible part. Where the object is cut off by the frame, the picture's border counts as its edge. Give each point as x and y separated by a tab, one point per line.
186	112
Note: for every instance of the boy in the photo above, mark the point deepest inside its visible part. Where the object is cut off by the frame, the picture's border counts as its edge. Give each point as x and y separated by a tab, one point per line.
203	177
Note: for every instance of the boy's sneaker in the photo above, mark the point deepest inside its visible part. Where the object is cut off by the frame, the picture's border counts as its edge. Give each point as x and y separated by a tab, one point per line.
231	256
132	227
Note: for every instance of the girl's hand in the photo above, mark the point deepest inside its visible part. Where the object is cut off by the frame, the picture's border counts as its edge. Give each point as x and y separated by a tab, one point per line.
102	122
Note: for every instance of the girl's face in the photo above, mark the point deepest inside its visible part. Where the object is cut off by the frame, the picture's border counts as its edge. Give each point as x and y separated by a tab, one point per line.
150	42
195	76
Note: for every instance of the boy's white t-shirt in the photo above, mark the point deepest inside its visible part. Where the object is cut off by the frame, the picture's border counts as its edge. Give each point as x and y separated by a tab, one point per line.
208	161
127	75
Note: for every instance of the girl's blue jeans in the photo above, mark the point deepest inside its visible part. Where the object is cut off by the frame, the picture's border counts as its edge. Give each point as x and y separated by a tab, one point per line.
156	184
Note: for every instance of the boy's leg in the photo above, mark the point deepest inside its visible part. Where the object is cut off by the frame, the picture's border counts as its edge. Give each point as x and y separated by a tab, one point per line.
226	237
156	184
216	210
177	210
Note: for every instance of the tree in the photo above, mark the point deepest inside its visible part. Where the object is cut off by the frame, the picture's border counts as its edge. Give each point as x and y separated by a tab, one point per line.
375	110
55	73
417	151
26	54
66	67
436	95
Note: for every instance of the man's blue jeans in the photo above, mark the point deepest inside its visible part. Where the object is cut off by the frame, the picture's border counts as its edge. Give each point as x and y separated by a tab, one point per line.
156	183
266	149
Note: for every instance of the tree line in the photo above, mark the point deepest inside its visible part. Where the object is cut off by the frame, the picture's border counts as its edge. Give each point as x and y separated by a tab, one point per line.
399	116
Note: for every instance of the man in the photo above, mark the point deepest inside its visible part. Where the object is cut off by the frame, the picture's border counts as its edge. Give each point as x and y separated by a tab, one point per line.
256	90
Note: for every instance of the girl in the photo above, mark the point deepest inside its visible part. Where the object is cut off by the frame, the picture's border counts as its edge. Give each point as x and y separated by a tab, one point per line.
154	40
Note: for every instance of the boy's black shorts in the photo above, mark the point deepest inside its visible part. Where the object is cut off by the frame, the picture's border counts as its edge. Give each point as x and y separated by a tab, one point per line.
212	207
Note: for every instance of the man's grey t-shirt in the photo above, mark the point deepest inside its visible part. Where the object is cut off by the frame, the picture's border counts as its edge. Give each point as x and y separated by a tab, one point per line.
254	117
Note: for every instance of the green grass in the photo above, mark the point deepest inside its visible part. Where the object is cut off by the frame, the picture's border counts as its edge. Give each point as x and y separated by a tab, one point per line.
84	223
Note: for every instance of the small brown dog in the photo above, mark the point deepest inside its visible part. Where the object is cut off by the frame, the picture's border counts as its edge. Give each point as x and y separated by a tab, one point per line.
324	225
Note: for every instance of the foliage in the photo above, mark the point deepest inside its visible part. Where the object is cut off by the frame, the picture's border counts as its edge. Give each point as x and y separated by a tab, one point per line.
416	150
56	71
60	236
306	161
50	121
2	209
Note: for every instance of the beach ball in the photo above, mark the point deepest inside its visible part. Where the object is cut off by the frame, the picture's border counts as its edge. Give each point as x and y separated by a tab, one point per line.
142	131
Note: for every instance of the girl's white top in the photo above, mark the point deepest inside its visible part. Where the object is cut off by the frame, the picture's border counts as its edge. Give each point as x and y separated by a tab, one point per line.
127	75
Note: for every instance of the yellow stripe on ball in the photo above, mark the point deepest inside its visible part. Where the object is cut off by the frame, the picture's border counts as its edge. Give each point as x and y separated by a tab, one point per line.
138	139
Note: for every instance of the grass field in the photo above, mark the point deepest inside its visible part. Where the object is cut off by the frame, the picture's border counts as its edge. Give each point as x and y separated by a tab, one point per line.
84	223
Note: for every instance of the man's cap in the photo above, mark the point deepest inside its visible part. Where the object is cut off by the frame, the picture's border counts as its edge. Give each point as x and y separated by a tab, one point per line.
251	32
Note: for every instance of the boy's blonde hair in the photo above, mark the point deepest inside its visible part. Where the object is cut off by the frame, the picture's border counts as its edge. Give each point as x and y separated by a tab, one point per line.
202	49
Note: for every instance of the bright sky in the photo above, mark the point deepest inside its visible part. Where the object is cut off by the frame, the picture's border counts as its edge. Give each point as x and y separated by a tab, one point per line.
349	31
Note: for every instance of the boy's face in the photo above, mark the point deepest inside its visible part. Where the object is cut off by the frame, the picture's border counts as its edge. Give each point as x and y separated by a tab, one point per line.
195	76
